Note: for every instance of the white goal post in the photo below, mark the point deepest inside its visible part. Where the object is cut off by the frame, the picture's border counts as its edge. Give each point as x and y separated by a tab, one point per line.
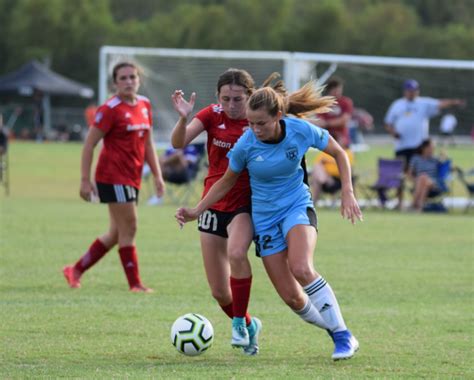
372	81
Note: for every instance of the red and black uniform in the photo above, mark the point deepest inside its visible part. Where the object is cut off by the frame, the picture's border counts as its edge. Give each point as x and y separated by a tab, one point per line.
222	134
344	105
126	129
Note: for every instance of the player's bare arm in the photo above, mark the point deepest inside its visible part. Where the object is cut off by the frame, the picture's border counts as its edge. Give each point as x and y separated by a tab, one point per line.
184	133
216	193
349	206
152	161
87	189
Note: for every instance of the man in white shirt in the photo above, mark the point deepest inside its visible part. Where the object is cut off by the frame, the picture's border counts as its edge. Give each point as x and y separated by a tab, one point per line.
407	120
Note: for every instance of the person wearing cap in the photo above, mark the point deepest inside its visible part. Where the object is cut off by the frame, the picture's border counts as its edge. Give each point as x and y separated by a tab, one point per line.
407	120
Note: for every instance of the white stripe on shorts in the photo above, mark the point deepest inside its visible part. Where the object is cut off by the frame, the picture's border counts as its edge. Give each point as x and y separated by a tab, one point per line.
119	194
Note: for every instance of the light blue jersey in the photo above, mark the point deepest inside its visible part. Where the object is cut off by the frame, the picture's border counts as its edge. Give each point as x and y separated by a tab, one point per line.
276	175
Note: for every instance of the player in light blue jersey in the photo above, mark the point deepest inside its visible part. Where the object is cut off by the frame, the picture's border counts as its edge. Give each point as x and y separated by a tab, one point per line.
283	214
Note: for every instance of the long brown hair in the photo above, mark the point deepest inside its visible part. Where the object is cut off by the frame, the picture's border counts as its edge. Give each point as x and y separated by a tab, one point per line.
274	97
237	77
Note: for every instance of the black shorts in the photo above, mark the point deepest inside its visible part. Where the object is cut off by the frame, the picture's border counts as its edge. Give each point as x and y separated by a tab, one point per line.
406	155
215	222
117	193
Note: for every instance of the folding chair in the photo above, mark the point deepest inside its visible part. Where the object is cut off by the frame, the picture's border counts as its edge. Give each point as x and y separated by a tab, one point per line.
434	202
390	176
182	192
469	186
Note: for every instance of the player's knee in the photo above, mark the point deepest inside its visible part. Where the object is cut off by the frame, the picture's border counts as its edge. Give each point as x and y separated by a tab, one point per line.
129	228
222	296
237	255
294	300
302	272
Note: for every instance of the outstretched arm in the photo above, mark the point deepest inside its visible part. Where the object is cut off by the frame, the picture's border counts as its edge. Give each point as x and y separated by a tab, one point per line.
216	192
184	133
446	103
349	207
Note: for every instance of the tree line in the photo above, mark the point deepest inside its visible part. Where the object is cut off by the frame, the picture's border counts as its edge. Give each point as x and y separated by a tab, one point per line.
69	33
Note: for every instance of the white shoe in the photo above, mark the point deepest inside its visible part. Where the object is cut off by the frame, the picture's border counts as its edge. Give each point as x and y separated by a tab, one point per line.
240	336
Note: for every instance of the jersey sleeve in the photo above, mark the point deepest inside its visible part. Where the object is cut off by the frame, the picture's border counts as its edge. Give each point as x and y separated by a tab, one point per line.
150	114
205	116
104	118
391	116
238	154
432	106
318	137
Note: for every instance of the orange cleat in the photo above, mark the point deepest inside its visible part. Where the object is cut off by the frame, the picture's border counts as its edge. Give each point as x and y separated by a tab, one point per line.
72	277
141	289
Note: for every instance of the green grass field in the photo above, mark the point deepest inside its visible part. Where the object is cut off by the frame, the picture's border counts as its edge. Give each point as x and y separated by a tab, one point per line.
404	282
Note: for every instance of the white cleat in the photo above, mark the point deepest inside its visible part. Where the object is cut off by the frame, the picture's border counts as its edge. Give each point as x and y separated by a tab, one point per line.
240	336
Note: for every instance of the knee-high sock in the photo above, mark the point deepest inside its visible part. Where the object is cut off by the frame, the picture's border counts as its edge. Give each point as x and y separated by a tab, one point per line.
324	299
128	257
240	288
311	315
96	251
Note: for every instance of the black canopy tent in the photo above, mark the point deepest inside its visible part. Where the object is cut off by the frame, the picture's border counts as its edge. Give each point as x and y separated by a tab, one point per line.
35	78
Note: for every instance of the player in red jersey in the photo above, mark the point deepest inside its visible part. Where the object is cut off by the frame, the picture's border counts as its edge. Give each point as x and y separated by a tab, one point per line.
337	121
124	123
226	228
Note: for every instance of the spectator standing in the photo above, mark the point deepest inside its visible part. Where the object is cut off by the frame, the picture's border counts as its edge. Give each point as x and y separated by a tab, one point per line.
407	120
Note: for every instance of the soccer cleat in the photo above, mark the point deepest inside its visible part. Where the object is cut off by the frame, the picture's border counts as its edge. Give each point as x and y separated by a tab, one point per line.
141	289
240	334
345	345
72	277
254	332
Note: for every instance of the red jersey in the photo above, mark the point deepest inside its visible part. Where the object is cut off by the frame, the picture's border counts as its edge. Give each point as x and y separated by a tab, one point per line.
126	129
344	105
222	134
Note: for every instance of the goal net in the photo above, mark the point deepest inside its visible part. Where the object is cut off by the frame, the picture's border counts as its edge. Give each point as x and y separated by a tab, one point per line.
372	82
165	70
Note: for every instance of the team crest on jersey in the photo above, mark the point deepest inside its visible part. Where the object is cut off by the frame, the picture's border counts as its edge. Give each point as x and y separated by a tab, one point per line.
145	112
217	108
292	153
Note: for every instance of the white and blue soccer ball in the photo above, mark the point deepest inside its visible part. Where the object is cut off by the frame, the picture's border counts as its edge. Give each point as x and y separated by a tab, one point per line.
192	334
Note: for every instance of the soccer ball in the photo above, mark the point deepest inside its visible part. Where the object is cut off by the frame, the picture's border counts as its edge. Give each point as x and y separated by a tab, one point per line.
192	334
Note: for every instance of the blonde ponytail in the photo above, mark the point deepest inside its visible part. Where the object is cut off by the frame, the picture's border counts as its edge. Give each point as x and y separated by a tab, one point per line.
274	97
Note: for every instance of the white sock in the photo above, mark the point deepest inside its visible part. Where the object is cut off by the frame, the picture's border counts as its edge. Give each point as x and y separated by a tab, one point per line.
323	298
311	315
